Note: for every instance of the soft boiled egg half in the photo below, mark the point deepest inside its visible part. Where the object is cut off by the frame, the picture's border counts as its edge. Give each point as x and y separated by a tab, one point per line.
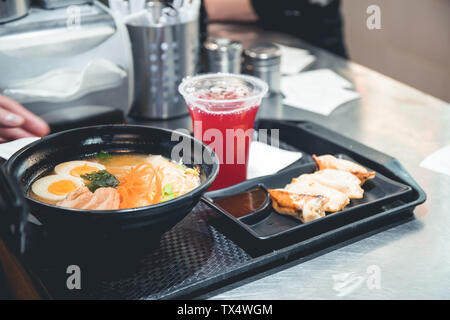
78	168
56	187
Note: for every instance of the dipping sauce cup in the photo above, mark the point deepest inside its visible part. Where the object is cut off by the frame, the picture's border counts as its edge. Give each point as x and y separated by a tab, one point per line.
223	108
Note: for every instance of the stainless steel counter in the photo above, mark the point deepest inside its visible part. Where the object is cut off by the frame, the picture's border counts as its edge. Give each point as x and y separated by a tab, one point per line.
412	259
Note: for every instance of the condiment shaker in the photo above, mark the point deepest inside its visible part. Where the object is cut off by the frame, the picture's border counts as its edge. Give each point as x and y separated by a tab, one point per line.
263	61
224	55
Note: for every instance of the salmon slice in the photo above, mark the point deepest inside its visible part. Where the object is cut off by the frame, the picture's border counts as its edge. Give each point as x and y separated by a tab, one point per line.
76	199
101	199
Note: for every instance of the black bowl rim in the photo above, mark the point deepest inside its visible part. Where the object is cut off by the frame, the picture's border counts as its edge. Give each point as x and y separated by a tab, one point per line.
204	185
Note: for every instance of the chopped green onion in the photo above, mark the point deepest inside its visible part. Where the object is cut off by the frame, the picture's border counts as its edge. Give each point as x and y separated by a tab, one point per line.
102	156
168	193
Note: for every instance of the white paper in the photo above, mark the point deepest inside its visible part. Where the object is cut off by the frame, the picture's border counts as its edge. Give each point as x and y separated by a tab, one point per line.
319	77
320	91
438	161
265	159
294	60
7	149
67	83
321	100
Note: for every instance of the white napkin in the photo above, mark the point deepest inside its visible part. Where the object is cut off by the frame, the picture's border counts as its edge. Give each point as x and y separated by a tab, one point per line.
67	83
438	161
320	91
7	149
324	77
294	60
265	159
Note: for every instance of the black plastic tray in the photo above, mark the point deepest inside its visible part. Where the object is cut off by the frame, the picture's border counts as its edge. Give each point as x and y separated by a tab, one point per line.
208	250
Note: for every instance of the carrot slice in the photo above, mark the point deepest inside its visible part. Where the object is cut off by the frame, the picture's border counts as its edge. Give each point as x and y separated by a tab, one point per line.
140	187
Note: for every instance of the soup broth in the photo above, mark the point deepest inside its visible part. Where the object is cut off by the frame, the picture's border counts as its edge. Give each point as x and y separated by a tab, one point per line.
120	164
115	181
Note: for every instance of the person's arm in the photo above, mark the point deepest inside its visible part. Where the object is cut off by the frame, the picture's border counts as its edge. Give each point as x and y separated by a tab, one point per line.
230	10
17	122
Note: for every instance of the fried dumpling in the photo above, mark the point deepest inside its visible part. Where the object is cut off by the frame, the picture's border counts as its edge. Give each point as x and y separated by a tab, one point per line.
342	181
303	207
330	162
335	200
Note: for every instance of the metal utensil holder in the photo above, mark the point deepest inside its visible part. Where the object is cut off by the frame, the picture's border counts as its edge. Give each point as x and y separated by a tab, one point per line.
163	56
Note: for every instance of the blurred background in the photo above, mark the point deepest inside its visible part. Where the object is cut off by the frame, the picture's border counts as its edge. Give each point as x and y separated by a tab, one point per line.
412	46
58	54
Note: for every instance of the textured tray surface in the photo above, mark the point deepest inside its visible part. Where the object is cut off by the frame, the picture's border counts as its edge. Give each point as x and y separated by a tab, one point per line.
191	252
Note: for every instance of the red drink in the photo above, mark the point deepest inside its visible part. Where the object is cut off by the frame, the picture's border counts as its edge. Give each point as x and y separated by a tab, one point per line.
235	171
223	117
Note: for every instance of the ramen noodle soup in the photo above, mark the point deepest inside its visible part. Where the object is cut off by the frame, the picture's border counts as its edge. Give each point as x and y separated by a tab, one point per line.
115	181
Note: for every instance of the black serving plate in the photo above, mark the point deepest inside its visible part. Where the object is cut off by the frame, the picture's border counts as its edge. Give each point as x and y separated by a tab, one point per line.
266	224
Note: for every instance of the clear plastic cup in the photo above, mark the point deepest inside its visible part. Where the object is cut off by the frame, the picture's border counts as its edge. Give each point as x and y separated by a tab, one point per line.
223	108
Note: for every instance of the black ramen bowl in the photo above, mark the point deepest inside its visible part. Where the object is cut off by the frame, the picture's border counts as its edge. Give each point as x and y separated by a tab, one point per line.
111	227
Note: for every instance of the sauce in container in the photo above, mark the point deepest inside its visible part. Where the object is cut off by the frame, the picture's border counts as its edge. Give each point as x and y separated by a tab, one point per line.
244	203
